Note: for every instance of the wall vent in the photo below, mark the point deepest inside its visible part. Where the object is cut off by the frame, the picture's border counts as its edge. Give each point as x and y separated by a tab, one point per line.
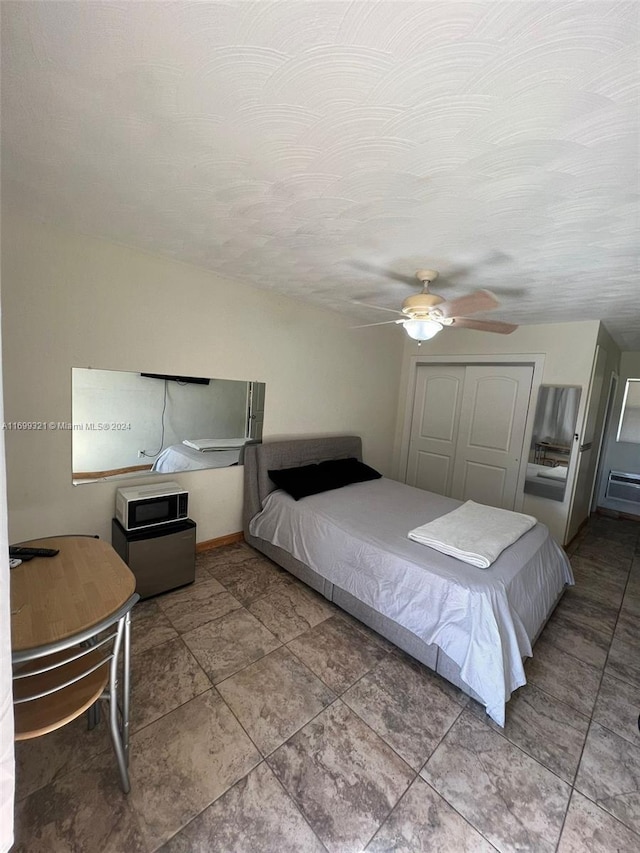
623	487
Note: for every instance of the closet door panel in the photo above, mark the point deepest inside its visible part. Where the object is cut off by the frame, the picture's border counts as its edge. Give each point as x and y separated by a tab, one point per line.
491	434
434	427
484	484
432	471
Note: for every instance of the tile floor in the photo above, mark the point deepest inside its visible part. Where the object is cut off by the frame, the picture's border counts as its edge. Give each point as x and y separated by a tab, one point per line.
265	720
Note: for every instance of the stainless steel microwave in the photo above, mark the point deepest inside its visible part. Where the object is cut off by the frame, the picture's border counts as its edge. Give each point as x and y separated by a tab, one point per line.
148	506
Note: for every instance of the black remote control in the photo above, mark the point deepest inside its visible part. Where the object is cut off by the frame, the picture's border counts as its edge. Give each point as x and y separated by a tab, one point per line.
17	551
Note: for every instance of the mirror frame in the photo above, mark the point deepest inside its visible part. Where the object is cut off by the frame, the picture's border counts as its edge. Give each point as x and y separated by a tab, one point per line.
226	420
549	485
629	385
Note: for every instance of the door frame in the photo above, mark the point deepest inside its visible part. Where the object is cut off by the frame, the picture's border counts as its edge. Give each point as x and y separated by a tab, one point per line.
606	422
535	360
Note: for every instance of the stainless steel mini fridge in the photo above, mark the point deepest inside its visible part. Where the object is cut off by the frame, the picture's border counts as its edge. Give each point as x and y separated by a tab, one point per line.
161	557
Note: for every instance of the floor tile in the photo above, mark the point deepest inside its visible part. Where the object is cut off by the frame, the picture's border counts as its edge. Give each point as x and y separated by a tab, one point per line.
404	703
423	822
447	687
616	530
149	626
628	629
563	676
162	678
85	810
589	829
343	777
580	641
201	574
275	697
40	760
216	560
614	553
252	578
609	774
338	653
194	605
350	772
631	600
618	707
290	610
624	662
546	729
372	635
587	612
511	799
598	582
230	643
183	762
248	819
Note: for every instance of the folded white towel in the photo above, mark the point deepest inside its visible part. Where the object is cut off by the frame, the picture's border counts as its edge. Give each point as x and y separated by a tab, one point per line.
205	444
474	533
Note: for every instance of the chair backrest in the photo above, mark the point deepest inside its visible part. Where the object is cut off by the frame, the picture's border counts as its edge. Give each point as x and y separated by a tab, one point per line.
54	684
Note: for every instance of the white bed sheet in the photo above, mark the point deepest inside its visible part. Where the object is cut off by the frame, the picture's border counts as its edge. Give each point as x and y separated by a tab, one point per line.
484	619
179	457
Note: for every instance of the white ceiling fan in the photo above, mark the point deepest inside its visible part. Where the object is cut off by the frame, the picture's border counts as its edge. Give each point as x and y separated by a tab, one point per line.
425	314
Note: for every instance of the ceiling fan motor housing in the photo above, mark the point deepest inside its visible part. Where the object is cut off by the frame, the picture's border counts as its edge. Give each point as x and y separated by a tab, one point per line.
420	303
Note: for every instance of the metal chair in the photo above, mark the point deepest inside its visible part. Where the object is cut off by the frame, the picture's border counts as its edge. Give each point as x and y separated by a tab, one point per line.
54	684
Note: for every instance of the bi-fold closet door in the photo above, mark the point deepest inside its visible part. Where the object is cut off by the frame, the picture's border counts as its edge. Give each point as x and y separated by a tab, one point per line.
467	430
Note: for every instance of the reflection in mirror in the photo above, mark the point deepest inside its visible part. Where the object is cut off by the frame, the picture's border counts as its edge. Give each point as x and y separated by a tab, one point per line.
130	424
629	426
553	435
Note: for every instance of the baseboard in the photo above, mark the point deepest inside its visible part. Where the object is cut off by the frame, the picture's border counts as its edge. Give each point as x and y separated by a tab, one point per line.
229	539
614	513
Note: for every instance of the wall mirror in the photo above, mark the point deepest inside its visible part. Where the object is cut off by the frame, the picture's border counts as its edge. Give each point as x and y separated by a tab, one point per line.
552	441
133	424
629	426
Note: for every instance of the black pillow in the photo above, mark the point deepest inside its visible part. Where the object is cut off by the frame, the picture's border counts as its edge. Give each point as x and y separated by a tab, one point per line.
313	479
343	472
298	482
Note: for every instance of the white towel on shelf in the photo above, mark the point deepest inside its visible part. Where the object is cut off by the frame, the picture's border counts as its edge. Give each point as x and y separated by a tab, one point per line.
475	533
205	444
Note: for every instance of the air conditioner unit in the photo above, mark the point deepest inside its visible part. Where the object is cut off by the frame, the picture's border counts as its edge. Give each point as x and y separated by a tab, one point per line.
623	487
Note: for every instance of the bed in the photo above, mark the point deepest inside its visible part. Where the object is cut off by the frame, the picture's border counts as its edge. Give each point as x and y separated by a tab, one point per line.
472	626
546	482
182	457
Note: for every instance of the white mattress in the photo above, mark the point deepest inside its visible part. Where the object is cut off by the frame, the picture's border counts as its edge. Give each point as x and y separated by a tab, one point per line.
179	457
484	619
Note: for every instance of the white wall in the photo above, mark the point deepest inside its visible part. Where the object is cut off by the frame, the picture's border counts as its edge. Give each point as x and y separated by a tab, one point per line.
568	351
620	455
7	763
73	301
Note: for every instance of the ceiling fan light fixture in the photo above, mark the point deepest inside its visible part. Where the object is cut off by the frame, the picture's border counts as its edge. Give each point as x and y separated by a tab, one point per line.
422	330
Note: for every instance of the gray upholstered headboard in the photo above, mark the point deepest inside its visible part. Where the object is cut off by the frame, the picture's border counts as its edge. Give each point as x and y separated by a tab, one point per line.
260	458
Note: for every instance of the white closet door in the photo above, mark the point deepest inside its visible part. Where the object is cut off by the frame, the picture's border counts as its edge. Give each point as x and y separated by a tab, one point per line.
491	435
434	427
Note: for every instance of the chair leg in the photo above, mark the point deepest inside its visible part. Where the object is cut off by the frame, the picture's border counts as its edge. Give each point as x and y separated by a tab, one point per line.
118	735
126	685
93	716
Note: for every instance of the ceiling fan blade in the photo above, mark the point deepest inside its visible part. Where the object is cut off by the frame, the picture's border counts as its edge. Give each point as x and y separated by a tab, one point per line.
383	323
483	325
385	272
472	303
377	307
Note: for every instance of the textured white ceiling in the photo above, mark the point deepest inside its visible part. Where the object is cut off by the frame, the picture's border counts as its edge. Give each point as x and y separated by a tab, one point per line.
307	146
